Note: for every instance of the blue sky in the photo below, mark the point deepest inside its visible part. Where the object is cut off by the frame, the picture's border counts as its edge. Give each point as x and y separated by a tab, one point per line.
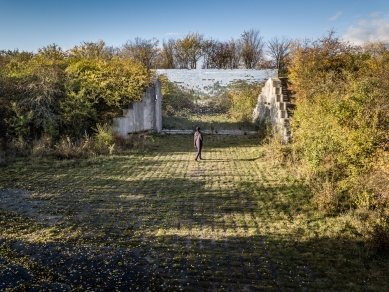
32	24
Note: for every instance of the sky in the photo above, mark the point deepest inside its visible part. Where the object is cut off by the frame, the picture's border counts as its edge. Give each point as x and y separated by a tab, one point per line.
31	24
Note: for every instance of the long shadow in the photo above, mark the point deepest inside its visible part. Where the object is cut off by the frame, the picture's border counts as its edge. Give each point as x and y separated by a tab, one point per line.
117	229
171	234
173	262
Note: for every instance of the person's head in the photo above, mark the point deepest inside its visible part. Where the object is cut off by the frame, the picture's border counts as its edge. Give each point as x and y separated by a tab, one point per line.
197	129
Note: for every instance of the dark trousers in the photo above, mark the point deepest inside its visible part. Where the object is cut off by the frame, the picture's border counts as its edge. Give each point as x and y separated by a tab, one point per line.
199	152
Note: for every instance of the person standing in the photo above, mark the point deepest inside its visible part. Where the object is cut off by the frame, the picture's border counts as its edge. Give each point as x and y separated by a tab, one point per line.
198	142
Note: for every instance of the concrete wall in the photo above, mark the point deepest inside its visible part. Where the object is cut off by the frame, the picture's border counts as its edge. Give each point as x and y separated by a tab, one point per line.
272	105
201	80
145	115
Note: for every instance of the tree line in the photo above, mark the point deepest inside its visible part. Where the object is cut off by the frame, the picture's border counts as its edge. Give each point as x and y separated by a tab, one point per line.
250	51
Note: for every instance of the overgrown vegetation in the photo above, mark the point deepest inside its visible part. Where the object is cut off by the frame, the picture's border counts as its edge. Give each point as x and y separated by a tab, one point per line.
341	128
59	96
236	100
56	98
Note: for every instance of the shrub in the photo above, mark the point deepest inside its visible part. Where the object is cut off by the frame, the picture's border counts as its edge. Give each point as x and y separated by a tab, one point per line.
176	100
341	121
42	147
244	97
66	149
103	139
18	147
378	237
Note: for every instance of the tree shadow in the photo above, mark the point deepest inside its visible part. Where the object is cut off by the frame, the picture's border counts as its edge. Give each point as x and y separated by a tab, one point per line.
172	262
131	226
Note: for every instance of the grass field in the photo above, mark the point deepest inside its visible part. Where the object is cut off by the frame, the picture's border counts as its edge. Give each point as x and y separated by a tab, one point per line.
207	122
157	220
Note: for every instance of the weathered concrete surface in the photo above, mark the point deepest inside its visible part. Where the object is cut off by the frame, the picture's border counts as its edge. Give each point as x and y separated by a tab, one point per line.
273	103
142	116
202	80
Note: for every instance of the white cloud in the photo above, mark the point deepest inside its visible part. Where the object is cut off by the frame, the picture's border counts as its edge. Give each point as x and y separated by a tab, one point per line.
172	33
368	30
336	16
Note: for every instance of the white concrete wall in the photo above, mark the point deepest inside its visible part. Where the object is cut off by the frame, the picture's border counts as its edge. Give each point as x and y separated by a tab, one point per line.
201	79
271	106
145	115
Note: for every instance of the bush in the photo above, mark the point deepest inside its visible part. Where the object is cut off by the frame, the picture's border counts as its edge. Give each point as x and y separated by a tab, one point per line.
244	98
18	147
103	139
42	147
66	149
378	237
341	121
177	101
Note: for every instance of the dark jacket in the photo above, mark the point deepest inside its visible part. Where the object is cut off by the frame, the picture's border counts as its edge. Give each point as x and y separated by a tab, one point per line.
198	139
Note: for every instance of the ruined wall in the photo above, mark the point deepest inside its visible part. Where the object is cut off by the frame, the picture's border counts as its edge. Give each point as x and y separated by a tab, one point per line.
145	115
273	104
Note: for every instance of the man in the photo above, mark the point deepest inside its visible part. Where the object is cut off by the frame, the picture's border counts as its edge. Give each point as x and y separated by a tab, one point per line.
198	142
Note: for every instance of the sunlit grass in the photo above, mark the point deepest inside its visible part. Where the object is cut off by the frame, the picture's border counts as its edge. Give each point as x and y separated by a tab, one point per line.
209	122
228	222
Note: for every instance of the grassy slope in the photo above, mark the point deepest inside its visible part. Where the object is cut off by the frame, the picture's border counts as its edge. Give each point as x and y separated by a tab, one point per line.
228	222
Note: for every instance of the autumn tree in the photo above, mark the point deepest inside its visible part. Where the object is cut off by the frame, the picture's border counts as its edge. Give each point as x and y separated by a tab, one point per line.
166	59
37	86
142	50
278	49
316	58
99	86
209	51
235	48
91	50
189	50
252	48
221	55
341	121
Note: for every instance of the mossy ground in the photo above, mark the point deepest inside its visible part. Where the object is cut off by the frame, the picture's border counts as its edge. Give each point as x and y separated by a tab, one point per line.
158	220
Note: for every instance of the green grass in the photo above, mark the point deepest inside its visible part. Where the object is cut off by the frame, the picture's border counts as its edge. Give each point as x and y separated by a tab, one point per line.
228	222
205	122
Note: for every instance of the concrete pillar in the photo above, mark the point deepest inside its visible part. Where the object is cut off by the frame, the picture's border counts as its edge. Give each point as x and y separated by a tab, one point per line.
158	107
